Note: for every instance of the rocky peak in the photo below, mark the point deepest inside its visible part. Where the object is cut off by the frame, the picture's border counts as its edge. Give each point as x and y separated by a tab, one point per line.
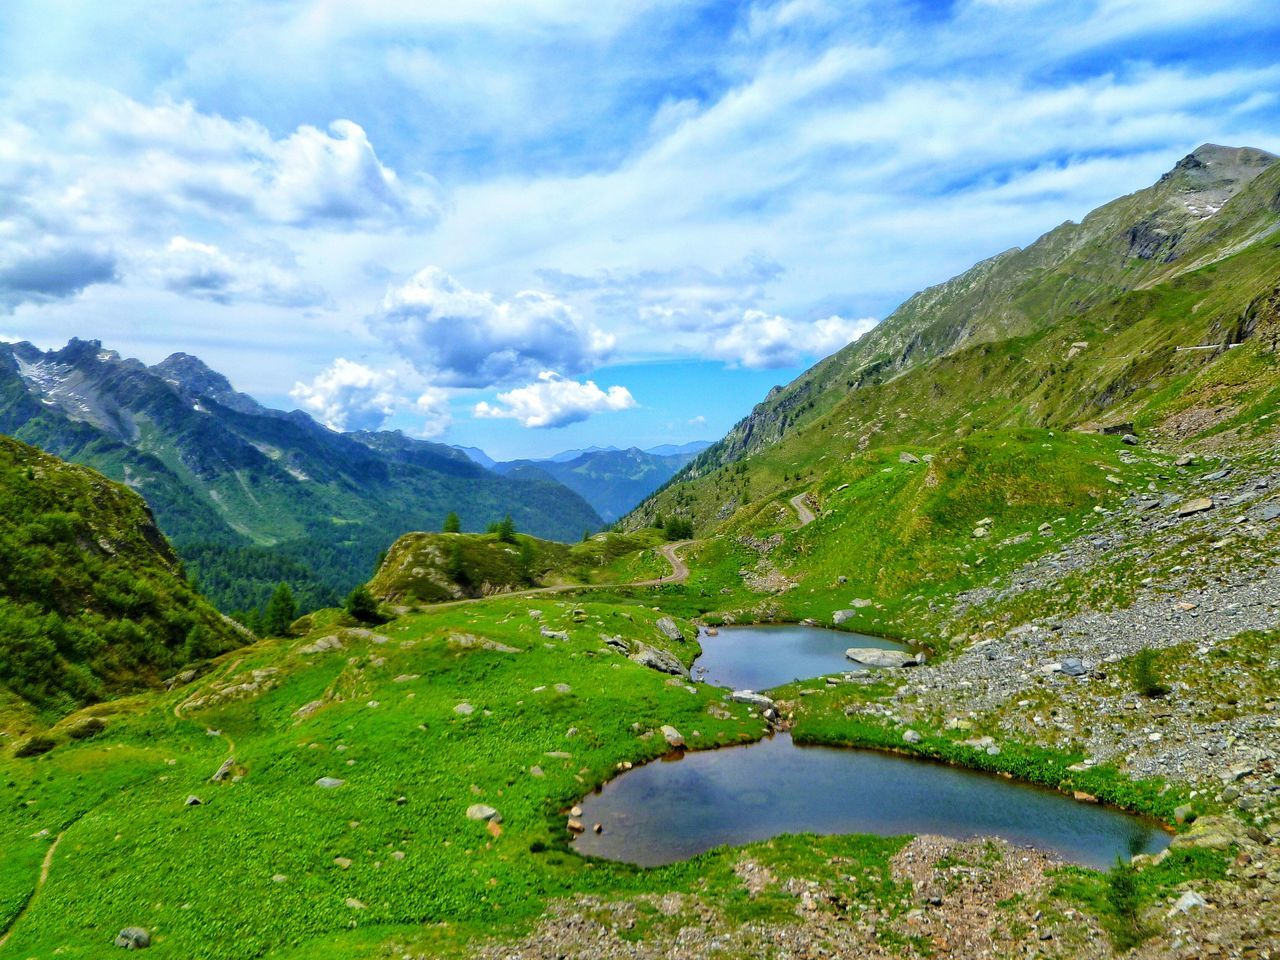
193	377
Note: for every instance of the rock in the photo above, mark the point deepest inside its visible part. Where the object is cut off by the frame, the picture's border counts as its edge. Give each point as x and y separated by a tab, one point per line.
464	709
1187	902
1198	505
673	736
482	811
1267	512
575	826
354	904
659	660
554	634
840	616
911	736
563	688
307	709
875	657
343	863
1185	460
536	771
1184	813
905	457
192	801
133	938
669	629
1129	439
1072	667
1084	797
321	645
980	532
751	698
223	771
329	783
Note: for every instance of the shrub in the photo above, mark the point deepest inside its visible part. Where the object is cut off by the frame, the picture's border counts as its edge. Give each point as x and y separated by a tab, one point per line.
1146	678
362	605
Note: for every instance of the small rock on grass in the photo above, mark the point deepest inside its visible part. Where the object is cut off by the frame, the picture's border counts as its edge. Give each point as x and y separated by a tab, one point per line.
329	783
673	736
482	811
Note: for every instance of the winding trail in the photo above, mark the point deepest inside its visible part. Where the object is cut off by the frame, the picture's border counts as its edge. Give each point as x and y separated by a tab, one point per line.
802	510
40	882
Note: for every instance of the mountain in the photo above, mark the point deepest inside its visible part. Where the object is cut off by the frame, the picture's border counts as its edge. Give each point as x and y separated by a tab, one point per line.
1214	202
1157	309
477	455
252	496
613	481
93	601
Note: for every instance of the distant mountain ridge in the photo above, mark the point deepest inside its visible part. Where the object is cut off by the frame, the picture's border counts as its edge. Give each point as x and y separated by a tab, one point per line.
611	479
237	485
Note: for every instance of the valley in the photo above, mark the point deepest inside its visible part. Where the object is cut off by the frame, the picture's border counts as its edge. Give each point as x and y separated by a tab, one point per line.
1037	506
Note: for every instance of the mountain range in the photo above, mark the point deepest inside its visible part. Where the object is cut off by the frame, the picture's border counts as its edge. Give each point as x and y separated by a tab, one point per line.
252	496
613	480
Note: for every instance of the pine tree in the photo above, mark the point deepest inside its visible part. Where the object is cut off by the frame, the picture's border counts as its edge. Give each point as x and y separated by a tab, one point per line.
506	529
451	523
526	560
362	606
281	611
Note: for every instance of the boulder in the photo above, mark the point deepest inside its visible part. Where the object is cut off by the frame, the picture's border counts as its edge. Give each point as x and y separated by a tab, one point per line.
669	629
751	698
329	783
1198	505
659	660
1129	439
192	801
133	938
911	736
321	645
482	811
464	709
1072	667
673	736
875	657
554	634
840	616
1267	512
1187	902
906	457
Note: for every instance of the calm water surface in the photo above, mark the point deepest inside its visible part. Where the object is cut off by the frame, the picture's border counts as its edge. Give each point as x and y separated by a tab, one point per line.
670	810
757	658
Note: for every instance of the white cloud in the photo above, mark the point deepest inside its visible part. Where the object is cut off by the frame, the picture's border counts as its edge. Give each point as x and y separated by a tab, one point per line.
204	271
51	269
464	338
353	396
555	402
698	421
764	340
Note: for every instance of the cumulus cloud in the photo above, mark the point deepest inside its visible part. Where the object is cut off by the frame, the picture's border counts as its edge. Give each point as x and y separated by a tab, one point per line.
762	340
555	402
51	270
353	396
464	338
204	271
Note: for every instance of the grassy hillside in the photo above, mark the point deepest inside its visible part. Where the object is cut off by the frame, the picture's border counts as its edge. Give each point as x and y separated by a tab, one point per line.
434	567
93	602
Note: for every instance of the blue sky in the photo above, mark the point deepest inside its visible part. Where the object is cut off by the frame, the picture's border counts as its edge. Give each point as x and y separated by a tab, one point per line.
532	226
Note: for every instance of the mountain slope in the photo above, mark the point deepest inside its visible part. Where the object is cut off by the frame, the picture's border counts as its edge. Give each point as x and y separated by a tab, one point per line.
93	601
242	488
1187	352
1214	202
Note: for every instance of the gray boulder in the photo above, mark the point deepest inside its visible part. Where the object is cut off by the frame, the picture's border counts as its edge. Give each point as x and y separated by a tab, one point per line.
329	783
669	629
753	699
911	736
1199	505
659	660
133	938
1072	667
875	657
482	811
840	616
673	736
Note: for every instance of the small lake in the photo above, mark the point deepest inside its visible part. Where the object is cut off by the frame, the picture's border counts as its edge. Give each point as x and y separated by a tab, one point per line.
758	658
675	808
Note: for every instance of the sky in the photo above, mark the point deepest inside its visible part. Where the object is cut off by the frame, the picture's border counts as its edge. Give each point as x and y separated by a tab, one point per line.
531	226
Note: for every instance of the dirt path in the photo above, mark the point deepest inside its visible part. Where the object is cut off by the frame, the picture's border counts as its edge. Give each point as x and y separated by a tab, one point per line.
802	509
40	882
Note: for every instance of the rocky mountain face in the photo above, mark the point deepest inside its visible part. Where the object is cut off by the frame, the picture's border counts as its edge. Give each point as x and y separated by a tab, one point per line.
1213	203
225	475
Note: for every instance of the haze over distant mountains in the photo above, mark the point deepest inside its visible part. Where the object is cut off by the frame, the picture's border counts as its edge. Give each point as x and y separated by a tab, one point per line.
613	480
